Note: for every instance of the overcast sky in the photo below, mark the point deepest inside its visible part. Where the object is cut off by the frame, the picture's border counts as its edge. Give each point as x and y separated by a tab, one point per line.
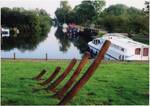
51	5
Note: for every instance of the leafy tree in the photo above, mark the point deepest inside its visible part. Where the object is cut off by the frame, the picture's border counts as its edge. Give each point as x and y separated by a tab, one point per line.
115	18
85	12
146	9
36	22
82	13
120	18
62	12
98	5
139	25
118	9
132	11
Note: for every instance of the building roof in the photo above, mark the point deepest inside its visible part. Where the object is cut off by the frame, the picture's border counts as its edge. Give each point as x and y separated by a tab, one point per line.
122	40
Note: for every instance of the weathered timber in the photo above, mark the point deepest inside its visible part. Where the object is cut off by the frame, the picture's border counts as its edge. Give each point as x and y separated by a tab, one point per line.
51	77
87	75
39	76
73	78
52	87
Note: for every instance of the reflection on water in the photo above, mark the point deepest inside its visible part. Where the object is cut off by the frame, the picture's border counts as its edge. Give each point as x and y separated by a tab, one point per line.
23	44
63	40
57	44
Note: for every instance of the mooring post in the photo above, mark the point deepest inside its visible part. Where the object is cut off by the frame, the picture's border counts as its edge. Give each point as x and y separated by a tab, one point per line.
14	56
87	75
52	87
73	78
51	77
46	56
38	77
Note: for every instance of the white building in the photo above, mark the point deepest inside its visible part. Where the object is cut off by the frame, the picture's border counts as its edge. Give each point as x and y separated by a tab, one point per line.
121	48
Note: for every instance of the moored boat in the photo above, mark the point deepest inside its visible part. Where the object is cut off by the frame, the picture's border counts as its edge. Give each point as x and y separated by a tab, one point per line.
122	47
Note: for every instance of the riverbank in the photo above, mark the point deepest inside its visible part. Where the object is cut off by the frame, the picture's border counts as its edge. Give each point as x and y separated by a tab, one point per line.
62	60
113	83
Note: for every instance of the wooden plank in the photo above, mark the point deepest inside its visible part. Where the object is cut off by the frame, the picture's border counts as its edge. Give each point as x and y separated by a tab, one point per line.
73	78
87	75
52	87
51	77
38	77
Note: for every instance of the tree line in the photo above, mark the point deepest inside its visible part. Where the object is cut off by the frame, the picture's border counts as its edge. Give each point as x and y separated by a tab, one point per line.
115	18
29	22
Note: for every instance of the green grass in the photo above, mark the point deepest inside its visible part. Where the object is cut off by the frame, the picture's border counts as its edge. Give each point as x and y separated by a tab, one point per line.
115	83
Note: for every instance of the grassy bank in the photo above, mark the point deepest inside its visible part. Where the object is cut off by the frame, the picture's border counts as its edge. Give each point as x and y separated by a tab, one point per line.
113	83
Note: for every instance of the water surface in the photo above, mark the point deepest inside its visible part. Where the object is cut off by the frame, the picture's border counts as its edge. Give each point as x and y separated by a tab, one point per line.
56	45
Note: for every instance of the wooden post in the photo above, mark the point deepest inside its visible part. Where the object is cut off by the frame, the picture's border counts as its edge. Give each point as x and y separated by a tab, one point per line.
38	77
73	78
87	75
46	56
51	77
52	87
14	56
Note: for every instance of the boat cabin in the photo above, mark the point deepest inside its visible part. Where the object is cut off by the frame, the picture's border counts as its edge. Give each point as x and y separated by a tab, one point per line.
121	48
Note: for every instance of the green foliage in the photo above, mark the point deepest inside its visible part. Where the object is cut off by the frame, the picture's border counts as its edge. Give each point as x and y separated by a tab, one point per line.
132	11
36	22
118	9
113	83
120	18
62	13
115	18
139	24
98	5
82	13
113	23
85	11
146	9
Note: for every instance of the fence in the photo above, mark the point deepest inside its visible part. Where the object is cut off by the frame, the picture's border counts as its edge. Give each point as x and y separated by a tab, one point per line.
14	57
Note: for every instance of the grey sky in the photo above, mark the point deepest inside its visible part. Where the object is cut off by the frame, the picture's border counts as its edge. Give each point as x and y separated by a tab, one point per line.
51	5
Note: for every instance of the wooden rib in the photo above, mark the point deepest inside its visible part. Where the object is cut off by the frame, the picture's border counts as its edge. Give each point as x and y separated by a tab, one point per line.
38	77
73	78
87	75
52	87
51	77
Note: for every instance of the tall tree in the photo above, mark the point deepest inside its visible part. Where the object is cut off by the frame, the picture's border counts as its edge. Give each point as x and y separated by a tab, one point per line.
35	22
62	12
85	11
146	9
118	9
98	5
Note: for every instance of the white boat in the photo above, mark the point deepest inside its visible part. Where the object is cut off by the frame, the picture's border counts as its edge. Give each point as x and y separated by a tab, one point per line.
5	32
121	48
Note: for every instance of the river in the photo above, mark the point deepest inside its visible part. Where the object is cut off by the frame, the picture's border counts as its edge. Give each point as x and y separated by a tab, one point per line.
56	45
